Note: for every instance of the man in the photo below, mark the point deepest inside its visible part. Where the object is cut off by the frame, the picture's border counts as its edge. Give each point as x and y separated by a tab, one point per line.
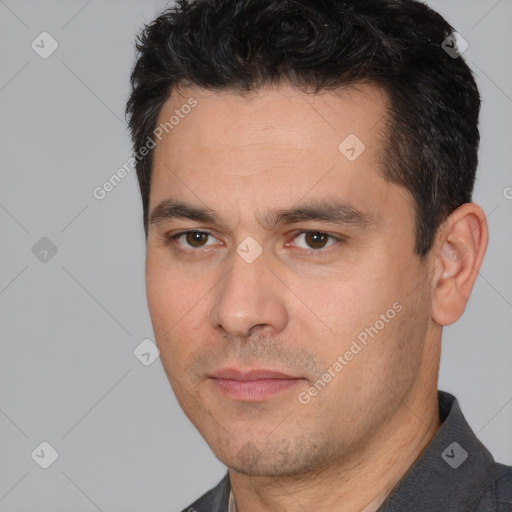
306	171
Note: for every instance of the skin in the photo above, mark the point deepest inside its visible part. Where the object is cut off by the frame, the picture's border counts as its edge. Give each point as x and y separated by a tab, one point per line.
295	308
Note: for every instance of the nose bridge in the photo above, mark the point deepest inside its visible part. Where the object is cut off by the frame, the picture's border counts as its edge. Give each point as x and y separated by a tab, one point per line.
248	295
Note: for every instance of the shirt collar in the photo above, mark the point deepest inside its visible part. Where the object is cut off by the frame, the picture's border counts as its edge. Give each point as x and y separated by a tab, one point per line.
453	471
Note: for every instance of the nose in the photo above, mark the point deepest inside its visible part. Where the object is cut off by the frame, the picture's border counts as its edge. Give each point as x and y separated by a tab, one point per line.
249	298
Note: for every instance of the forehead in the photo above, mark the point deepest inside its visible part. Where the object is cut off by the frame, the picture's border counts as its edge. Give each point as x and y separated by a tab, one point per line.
270	144
282	115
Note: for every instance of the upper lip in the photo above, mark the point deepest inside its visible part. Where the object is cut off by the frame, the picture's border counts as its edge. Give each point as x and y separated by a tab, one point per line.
252	374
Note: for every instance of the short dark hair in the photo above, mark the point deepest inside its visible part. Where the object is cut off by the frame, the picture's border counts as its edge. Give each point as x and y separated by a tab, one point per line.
321	45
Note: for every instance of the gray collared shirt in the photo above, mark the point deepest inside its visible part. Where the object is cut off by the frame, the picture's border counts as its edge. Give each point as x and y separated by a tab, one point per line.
455	473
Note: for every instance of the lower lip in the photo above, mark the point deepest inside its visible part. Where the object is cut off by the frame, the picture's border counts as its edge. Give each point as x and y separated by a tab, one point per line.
253	390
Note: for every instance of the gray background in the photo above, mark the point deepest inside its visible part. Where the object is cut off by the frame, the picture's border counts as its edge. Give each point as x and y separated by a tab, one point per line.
69	325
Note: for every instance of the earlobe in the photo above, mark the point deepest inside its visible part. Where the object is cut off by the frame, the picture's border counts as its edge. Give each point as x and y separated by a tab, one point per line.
459	250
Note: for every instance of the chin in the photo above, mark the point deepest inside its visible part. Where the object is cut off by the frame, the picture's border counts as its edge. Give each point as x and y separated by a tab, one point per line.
277	459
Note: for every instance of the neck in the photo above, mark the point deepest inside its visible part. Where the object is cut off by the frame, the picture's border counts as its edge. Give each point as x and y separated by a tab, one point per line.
360	483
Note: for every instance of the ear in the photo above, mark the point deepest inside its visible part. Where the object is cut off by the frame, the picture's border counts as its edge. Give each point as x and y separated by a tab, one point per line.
458	253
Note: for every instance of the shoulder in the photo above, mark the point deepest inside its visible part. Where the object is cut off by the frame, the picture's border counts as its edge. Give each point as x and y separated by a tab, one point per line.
498	493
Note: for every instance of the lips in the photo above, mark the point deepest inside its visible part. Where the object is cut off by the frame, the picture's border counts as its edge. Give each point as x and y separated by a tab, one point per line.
247	375
255	385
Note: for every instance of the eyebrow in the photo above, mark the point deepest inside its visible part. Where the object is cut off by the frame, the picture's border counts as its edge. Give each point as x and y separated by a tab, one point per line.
332	211
171	209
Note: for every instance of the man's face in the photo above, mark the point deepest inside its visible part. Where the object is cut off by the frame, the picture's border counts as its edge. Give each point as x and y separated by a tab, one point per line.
253	309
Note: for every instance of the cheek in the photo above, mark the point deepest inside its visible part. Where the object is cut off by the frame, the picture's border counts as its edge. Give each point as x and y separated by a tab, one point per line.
339	304
169	294
177	308
348	308
159	293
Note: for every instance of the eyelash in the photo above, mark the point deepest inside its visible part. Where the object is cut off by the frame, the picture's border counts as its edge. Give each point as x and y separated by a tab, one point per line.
172	240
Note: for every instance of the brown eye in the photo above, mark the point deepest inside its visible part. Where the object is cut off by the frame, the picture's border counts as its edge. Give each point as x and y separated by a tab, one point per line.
316	240
196	238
